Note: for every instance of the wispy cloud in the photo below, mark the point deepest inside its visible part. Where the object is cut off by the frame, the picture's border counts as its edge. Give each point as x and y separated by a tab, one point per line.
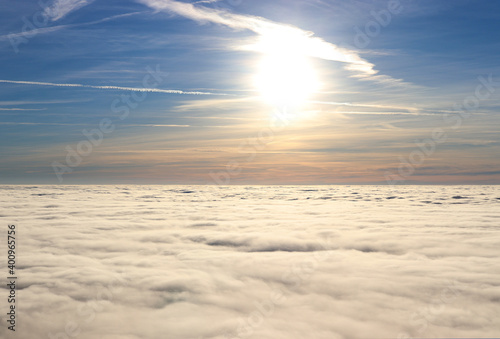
228	104
82	124
22	109
207	1
377	113
46	102
133	89
364	105
276	35
61	8
50	29
404	109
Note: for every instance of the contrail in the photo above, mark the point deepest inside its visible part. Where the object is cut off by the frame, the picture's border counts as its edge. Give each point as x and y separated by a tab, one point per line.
132	89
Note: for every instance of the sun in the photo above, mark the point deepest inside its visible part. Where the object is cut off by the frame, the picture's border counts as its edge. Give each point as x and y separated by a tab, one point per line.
286	80
285	76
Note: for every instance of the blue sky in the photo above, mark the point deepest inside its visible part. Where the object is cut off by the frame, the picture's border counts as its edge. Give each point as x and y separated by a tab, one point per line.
250	92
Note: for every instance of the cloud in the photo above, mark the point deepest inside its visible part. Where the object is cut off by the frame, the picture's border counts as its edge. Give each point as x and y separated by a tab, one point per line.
133	89
32	102
44	30
246	262
60	8
207	1
376	109
276	35
74	124
22	109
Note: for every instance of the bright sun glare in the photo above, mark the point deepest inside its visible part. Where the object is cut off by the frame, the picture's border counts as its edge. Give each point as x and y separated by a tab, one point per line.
286	77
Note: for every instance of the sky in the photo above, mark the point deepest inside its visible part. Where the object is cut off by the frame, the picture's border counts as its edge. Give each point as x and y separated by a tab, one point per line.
249	92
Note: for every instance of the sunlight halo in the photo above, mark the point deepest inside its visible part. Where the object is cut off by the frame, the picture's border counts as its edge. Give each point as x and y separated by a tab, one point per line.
285	74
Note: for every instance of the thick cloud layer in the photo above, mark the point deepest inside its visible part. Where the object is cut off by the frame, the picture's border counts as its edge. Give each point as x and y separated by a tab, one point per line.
255	262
